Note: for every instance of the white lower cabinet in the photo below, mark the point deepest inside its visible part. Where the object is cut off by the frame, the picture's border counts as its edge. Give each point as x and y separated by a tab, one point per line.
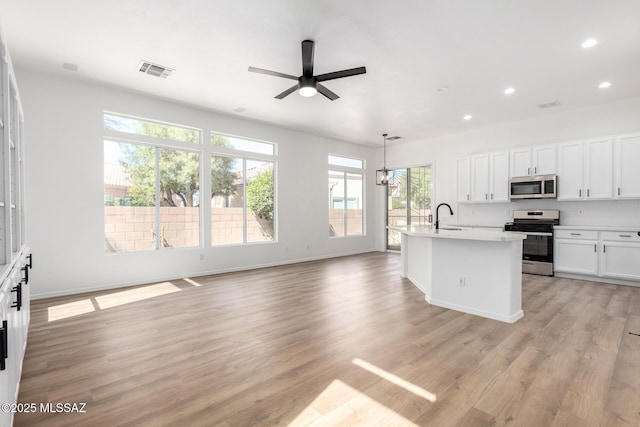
14	326
620	255
603	254
576	251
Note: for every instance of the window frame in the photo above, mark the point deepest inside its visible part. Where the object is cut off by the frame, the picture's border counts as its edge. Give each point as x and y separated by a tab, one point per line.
157	144
345	170
245	156
157	194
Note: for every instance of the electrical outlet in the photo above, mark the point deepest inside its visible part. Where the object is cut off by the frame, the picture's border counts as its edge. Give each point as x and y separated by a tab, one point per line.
462	281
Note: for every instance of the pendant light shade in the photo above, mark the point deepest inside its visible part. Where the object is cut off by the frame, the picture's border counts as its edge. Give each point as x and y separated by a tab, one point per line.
382	175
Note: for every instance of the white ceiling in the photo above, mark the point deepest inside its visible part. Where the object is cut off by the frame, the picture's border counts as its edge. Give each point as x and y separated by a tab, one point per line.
410	48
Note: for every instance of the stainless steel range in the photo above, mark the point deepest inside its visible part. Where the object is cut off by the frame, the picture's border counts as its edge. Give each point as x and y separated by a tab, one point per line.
537	248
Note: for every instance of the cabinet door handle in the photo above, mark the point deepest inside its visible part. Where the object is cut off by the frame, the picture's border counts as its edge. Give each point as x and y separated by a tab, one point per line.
595	248
580	193
4	342
25	279
486	197
604	249
576	234
587	192
528	171
624	235
467	197
491	196
18	302
535	169
618	191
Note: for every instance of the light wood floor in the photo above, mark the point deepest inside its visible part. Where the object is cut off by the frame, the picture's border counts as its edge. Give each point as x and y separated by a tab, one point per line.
339	342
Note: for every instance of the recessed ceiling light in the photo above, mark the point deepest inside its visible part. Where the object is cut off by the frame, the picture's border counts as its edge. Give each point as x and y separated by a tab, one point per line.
467	117
589	43
442	89
509	91
604	85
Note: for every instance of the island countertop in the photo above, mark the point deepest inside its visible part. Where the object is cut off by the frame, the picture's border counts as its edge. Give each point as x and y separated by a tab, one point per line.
474	271
464	234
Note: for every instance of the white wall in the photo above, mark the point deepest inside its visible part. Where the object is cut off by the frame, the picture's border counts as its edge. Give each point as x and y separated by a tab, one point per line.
64	191
608	119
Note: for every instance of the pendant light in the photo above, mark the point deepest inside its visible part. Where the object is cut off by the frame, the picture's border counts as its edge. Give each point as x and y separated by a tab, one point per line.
382	175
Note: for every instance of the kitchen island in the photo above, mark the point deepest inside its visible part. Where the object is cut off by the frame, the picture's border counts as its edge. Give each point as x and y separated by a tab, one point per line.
473	271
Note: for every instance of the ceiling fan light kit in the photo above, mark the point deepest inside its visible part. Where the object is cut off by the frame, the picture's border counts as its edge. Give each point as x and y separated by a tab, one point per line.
308	84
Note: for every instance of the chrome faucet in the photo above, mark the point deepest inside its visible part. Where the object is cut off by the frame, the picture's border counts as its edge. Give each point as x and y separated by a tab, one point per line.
437	209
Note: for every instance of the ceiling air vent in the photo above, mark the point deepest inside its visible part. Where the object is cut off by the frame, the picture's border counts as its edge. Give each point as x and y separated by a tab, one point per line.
155	69
549	104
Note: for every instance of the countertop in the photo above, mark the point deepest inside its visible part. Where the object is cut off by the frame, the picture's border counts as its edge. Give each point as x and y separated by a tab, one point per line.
475	226
474	234
597	228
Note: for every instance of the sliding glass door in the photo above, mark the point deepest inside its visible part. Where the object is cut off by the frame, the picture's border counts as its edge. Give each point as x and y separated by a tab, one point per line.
408	200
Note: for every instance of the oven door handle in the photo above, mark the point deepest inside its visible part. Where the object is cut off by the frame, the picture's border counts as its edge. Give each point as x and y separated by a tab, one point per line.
537	234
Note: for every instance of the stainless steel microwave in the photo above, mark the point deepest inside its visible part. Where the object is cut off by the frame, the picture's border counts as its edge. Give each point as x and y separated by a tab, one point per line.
533	187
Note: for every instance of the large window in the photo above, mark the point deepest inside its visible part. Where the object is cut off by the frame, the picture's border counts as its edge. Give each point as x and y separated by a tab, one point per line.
242	191
151	188
346	196
159	178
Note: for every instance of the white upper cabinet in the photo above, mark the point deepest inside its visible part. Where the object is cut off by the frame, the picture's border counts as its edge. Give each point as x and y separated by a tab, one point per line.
544	160
521	162
489	177
533	161
593	169
570	170
599	169
585	170
480	178
627	167
463	181
499	176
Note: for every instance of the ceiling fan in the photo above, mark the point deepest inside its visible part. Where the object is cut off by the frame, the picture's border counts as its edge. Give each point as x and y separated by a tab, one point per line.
308	84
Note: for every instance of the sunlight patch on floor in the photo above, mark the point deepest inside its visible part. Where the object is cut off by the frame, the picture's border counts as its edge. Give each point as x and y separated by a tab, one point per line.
89	305
342	405
136	294
192	282
418	391
71	309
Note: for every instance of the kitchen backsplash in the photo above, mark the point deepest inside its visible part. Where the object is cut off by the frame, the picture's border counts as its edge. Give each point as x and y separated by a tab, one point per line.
592	212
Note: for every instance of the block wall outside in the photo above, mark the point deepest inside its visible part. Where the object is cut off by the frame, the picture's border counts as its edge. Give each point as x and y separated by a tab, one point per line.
129	228
336	222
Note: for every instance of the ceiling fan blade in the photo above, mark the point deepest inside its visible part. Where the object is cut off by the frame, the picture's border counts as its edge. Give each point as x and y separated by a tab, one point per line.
340	74
326	92
307	58
287	92
272	73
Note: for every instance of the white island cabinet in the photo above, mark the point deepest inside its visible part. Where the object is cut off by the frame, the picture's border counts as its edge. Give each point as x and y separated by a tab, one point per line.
474	271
